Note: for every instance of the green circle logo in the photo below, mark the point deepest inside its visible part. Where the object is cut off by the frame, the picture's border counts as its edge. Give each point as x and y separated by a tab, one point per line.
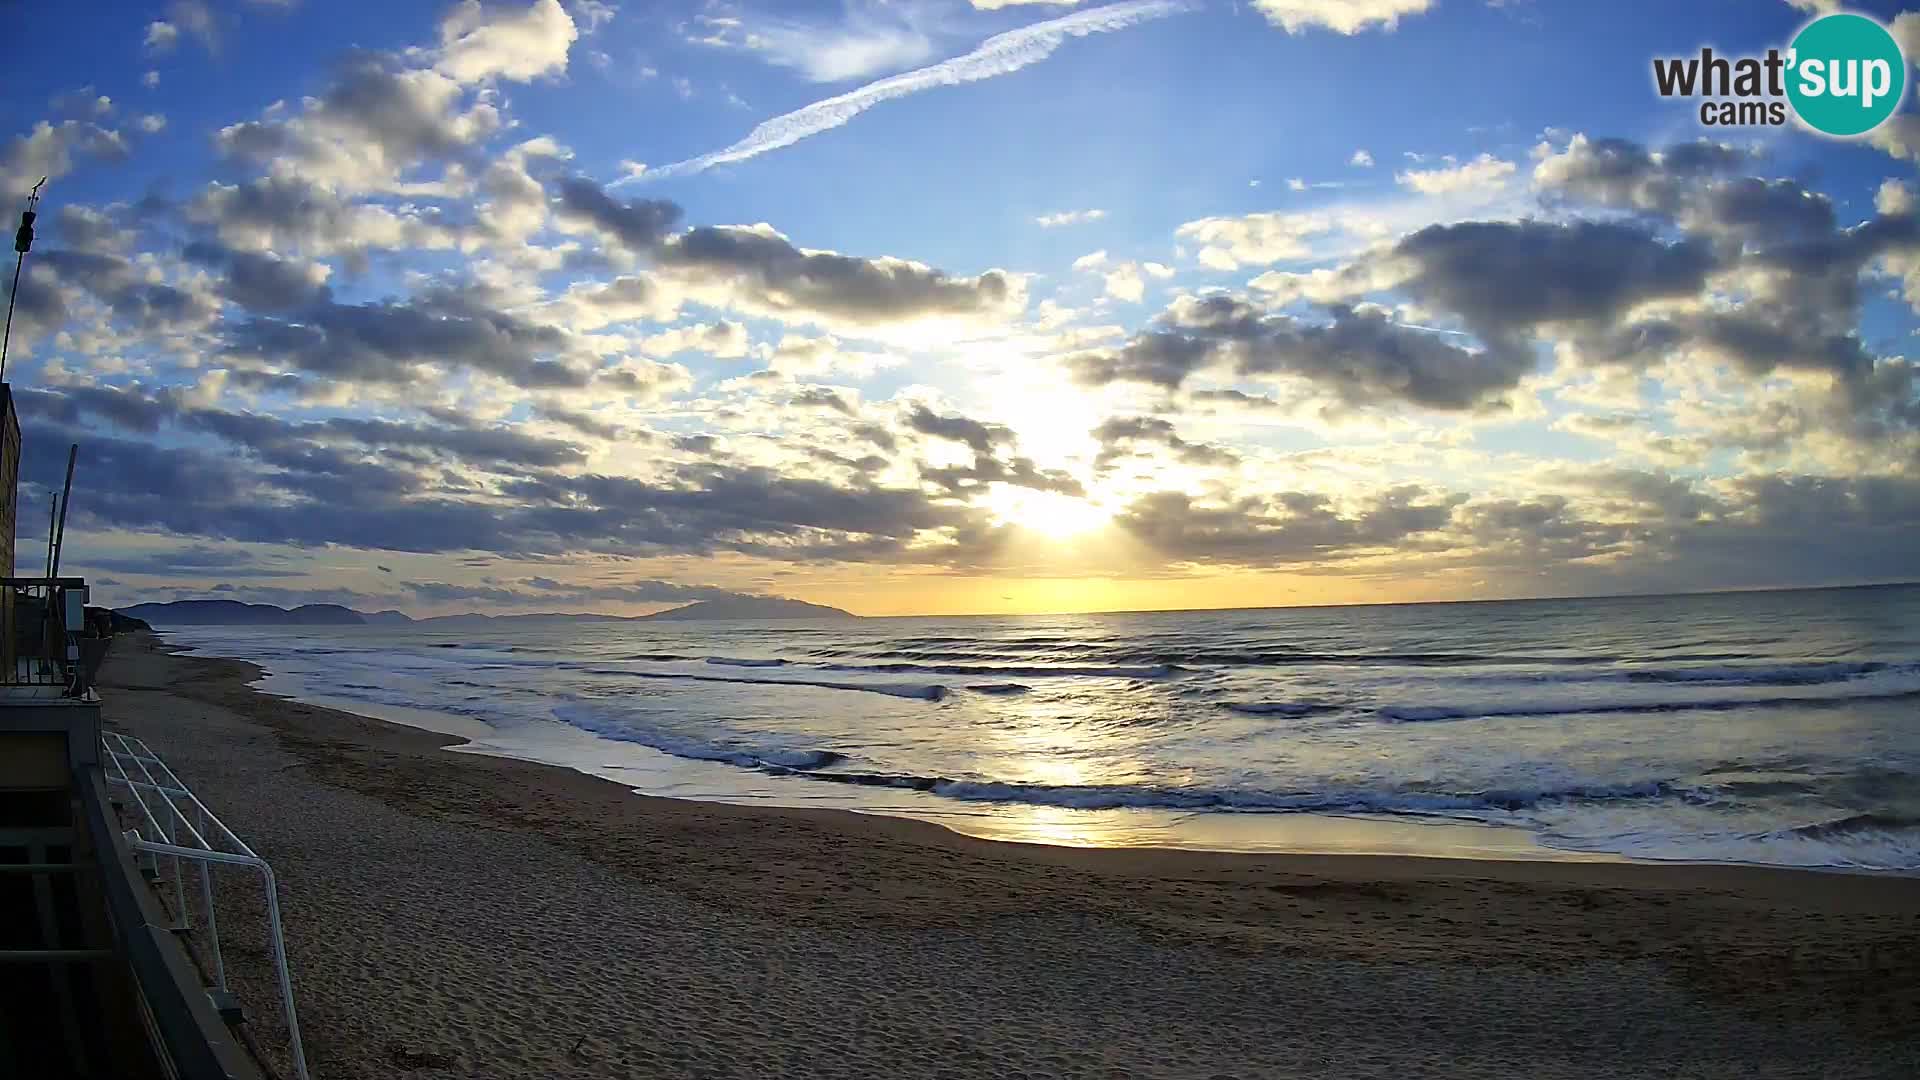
1845	75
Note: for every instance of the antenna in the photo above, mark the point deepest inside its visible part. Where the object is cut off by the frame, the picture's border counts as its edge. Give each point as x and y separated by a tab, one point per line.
22	243
53	517
66	500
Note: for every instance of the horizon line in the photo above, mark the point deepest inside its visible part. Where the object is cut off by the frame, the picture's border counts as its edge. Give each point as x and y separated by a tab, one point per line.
1736	590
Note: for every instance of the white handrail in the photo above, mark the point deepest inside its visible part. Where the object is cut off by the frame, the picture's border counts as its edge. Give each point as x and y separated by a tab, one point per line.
121	749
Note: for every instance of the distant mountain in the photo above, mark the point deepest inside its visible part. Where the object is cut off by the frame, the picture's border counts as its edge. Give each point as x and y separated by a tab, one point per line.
234	613
753	607
474	618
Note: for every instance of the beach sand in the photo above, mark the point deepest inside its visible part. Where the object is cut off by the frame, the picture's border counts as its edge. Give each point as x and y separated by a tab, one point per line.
459	915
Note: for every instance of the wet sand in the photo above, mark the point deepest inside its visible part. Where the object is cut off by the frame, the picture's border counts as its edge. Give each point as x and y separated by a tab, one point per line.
458	915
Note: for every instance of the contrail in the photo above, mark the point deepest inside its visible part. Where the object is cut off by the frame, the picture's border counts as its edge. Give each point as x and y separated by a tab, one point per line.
998	55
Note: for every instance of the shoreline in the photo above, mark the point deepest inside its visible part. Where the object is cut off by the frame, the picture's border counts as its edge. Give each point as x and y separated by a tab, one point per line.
484	910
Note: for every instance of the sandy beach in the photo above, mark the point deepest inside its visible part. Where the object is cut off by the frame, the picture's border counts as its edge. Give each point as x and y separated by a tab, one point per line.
466	916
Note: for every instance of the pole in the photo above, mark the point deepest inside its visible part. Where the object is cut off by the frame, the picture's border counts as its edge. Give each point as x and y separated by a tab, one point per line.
53	516
66	500
22	243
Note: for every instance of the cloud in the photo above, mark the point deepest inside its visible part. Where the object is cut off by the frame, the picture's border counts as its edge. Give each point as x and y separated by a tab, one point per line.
373	126
870	41
981	437
477	43
1228	243
1068	217
1361	159
638	225
264	282
1287	528
1124	282
1623	174
999	55
763	271
162	36
1340	16
1359	357
1485	171
1504	277
289	215
1123	435
725	340
50	150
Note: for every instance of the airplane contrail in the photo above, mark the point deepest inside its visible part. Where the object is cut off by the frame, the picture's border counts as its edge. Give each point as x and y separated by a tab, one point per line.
998	55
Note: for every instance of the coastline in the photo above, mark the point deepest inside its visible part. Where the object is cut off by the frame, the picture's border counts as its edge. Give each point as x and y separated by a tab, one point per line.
479	910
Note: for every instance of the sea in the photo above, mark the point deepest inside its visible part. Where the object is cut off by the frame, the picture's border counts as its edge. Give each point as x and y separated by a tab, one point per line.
1777	728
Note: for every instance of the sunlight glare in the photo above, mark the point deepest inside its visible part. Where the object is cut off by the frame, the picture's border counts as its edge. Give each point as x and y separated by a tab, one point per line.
1048	513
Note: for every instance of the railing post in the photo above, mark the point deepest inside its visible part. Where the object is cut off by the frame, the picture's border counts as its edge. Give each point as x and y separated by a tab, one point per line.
213	924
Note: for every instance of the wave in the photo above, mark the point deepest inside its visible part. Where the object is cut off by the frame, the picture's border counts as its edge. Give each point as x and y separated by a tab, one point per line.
588	718
1278	708
922	691
1806	674
1431	713
731	661
1850	825
1155	671
1000	688
1148	796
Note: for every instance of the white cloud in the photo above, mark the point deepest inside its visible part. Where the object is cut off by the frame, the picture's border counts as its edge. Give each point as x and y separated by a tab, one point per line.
1068	217
150	80
1361	160
1256	238
1001	54
871	41
1125	283
162	35
995	5
726	340
477	44
1091	260
1340	16
1482	172
151	123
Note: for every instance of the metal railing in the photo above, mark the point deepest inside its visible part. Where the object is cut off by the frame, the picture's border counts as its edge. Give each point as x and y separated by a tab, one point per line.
44	639
175	835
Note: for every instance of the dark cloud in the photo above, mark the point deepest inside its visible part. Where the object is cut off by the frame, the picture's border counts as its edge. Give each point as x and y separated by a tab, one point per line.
1626	175
263	282
978	435
1361	356
1506	279
397	342
639	225
1282	529
768	272
1121	435
819	397
190	561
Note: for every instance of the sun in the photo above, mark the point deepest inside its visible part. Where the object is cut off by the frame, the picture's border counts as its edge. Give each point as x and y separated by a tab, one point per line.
1048	513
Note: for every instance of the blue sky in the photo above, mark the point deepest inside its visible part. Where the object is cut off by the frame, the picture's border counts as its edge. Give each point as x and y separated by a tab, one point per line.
1145	304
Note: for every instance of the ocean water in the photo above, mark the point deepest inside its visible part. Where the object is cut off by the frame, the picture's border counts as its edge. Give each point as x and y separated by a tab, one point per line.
1777	728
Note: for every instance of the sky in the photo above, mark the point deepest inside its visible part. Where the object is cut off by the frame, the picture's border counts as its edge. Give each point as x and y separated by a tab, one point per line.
938	306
